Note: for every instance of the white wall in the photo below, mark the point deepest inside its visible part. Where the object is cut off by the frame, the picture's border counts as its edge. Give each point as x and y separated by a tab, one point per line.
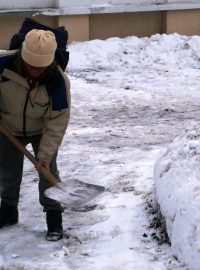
26	4
62	7
90	3
111	6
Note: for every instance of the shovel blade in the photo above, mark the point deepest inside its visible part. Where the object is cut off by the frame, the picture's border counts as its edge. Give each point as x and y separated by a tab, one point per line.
74	193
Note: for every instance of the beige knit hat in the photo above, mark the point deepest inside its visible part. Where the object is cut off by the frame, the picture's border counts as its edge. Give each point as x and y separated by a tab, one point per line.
38	48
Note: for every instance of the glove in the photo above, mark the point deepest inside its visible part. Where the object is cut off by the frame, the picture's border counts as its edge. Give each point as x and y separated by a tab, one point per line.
41	163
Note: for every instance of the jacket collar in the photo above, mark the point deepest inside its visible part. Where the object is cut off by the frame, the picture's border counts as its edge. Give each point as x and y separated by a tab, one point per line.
11	75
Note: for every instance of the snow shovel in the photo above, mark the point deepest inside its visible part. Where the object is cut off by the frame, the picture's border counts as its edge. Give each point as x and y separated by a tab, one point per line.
73	194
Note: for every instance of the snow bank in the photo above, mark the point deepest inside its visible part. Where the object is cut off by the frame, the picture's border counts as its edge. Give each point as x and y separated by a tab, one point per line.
163	51
177	178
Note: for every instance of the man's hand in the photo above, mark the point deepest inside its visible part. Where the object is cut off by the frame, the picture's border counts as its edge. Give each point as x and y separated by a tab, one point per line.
41	163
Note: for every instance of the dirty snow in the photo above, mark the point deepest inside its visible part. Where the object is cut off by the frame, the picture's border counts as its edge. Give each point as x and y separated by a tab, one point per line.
130	98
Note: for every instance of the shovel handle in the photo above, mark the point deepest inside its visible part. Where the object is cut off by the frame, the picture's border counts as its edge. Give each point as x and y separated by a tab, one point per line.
49	177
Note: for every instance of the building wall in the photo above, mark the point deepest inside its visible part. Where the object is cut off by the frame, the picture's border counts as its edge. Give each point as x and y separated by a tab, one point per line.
119	6
22	4
125	24
77	26
104	25
185	22
10	24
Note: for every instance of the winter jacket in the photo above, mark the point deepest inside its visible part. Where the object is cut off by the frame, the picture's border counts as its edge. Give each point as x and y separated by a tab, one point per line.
28	112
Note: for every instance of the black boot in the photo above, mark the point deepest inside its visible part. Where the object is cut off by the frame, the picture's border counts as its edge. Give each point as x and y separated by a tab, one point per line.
54	225
8	214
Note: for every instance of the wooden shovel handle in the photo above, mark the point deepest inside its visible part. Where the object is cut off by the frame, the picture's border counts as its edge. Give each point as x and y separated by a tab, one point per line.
49	177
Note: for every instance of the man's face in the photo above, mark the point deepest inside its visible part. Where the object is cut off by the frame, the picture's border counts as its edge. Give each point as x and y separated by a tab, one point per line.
34	72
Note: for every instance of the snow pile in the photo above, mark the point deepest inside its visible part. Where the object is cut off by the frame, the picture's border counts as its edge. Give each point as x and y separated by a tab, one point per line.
177	177
166	51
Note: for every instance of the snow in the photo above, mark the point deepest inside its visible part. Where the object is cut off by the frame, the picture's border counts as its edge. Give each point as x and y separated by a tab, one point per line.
178	193
132	99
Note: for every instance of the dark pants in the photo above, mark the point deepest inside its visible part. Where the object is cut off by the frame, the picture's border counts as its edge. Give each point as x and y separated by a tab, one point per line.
11	171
